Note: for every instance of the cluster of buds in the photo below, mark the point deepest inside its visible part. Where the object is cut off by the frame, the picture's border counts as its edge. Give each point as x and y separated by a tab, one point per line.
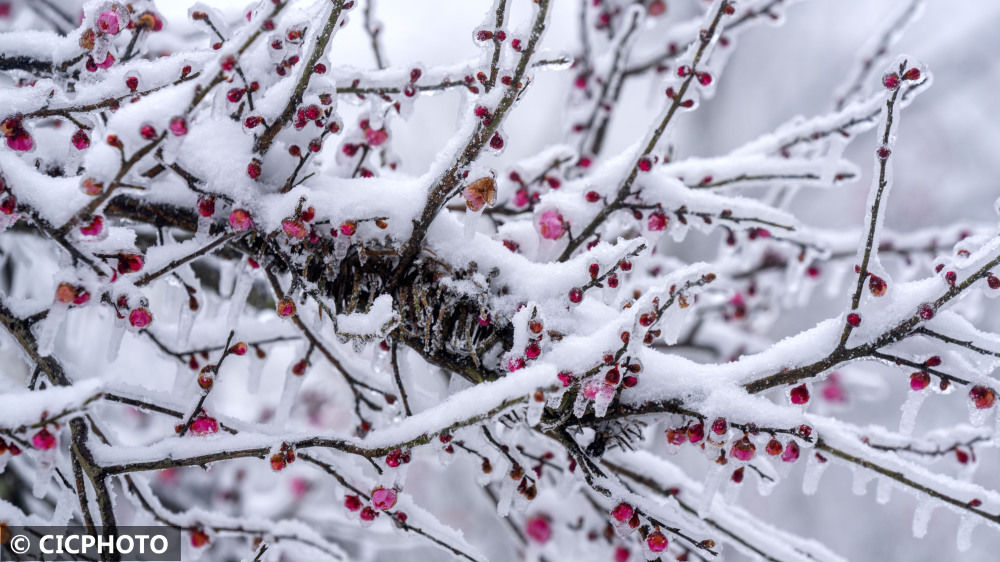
397	457
892	80
741	448
16	134
525	484
295	227
284	457
11	448
410	89
536	336
67	293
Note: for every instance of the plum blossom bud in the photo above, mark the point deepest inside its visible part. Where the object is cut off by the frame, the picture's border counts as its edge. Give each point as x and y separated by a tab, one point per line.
383	498
140	318
43	440
240	220
286	307
538	529
204	425
107	22
479	193
294	228
551	225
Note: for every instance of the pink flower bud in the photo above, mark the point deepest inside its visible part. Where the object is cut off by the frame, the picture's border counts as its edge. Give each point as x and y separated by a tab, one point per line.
294	228
551	225
919	380
657	221
799	394
81	140
178	126
204	425
206	205
657	541
108	61
20	140
376	137
538	529
791	453
286	307
240	220
107	22
94	228
140	318
622	512
383	498
43	440
743	449
982	397
352	503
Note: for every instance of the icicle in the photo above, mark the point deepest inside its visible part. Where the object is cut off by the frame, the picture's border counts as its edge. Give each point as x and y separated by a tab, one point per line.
860	480
340	246
471	220
835	279
181	378
43	474
910	408
49	329
731	494
713	480
580	405
185	322
253	377
678	231
671	323
505	497
288	394
883	491
535	409
795	273
922	517
814	471
201	235
768	478
241	290
603	399
963	539
766	486
227	277
115	339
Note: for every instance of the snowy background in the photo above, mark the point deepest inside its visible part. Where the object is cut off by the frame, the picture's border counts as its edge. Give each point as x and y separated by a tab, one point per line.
946	173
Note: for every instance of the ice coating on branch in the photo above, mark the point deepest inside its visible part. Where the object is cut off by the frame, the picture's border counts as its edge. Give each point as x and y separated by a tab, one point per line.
911	408
963	538
815	467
